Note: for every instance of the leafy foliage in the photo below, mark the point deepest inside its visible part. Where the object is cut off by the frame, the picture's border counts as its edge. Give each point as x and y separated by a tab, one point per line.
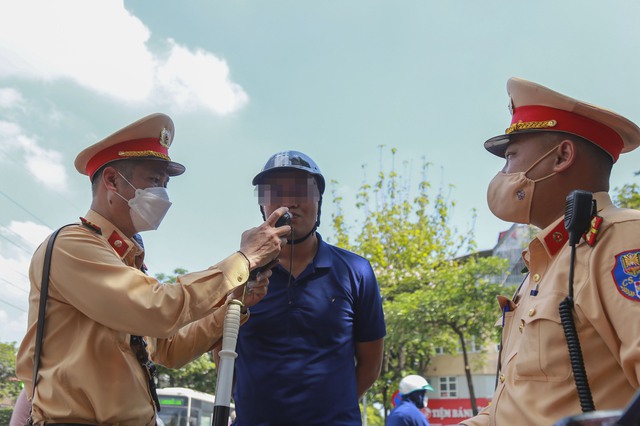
199	374
5	415
171	278
432	297
628	196
9	384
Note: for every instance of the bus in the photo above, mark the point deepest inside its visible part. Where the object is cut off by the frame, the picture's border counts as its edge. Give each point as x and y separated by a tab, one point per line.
186	407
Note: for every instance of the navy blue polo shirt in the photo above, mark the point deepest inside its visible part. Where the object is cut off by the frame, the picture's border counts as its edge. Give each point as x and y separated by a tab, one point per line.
295	362
406	414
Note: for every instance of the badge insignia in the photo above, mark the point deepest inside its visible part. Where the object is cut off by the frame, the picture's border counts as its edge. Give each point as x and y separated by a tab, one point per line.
165	138
626	274
118	244
591	235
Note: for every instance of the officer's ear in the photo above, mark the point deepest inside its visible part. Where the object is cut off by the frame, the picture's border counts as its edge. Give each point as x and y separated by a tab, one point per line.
109	177
565	155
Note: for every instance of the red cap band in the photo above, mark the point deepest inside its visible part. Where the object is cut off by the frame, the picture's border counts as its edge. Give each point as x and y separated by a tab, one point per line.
565	121
139	148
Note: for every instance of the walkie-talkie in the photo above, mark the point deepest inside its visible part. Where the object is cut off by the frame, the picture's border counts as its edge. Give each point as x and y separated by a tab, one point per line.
579	208
577	214
285	219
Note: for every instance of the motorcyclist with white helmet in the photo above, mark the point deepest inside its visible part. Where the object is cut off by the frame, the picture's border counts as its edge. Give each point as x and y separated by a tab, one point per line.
413	389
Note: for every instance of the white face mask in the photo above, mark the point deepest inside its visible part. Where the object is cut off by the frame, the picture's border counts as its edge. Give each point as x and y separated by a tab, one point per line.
147	207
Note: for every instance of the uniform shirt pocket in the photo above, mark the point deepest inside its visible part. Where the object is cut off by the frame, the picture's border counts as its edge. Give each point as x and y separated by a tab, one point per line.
543	353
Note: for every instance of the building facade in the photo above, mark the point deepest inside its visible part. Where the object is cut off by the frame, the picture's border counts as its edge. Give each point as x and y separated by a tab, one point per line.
449	402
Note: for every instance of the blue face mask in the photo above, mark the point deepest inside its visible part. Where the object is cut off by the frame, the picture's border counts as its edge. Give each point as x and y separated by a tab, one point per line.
417	398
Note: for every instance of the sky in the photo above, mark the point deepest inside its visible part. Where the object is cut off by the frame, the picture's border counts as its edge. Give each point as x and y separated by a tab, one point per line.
344	82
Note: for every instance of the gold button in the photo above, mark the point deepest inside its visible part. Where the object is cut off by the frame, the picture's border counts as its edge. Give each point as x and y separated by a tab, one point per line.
502	378
536	277
521	326
117	243
239	278
532	312
558	237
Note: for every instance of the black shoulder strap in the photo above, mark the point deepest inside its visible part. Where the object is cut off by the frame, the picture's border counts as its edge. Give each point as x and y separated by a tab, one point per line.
44	289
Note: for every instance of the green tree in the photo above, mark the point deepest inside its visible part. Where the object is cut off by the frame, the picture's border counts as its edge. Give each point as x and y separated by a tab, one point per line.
170	278
9	384
412	247
199	374
462	300
628	196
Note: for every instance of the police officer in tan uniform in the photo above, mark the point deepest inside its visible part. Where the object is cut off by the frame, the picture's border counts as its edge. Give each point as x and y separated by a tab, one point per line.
94	365
555	145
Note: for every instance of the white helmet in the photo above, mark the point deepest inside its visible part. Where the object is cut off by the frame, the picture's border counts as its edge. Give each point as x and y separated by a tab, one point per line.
413	383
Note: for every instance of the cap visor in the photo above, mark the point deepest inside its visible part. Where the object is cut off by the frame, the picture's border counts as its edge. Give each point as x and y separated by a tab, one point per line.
175	169
497	145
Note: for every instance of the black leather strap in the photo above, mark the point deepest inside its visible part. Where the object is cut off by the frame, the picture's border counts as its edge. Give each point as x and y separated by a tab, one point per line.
44	289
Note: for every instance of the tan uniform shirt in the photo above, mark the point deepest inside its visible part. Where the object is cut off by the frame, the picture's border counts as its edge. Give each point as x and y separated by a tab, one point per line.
536	384
97	299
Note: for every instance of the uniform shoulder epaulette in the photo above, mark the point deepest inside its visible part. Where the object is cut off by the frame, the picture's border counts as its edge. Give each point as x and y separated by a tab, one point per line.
592	234
95	228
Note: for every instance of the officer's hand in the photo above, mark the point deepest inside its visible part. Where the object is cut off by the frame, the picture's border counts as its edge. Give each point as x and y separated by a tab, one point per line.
255	290
262	244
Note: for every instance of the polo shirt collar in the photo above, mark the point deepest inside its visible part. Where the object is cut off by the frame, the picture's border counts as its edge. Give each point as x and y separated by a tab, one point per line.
323	256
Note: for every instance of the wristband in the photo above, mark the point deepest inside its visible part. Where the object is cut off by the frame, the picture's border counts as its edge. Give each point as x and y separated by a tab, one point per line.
245	256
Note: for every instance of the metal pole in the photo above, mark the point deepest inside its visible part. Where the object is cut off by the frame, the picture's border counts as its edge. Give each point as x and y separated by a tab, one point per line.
364	409
228	355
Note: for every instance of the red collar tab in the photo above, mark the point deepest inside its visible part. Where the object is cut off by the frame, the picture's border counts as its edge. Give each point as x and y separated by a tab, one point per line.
118	243
556	238
95	228
538	117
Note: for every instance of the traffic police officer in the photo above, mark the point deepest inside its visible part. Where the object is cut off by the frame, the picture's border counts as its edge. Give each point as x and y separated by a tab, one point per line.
555	145
100	302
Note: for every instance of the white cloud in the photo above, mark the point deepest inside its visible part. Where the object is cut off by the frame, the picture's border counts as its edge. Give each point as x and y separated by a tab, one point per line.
190	79
32	233
11	98
45	165
19	241
14	324
101	46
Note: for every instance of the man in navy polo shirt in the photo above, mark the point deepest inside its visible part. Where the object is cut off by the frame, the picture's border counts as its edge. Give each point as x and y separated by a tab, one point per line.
313	346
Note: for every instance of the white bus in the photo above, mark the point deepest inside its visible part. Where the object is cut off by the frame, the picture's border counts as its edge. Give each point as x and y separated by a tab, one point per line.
186	407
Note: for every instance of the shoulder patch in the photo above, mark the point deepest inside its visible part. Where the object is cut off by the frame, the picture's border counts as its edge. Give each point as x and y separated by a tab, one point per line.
626	274
95	228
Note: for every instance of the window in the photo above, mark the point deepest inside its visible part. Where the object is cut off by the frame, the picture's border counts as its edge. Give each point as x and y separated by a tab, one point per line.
439	350
448	387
